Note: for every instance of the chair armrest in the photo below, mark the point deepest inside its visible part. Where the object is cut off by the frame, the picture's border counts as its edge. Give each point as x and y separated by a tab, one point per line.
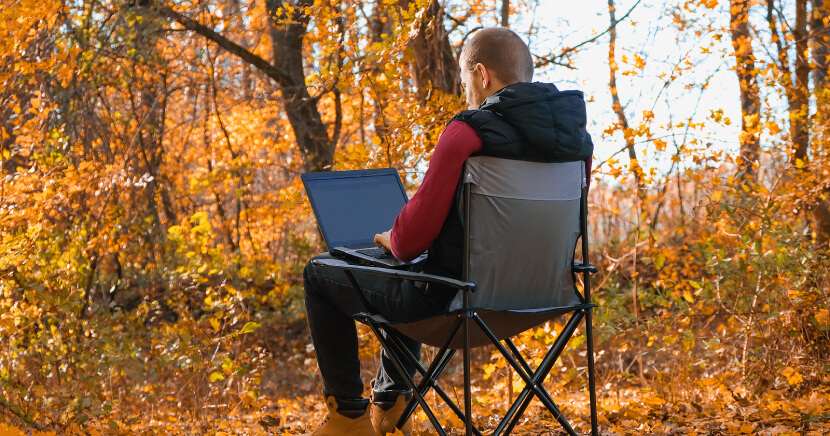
396	273
584	267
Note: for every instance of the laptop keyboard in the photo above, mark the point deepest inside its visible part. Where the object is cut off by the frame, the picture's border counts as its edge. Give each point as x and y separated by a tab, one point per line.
376	252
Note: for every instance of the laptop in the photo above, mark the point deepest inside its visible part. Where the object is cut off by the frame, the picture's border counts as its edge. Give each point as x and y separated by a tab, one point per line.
352	206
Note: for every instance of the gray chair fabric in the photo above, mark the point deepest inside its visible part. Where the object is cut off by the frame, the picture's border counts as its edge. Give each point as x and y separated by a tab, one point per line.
524	219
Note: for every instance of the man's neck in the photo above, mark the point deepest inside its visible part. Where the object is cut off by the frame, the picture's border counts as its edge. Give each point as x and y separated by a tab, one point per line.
494	89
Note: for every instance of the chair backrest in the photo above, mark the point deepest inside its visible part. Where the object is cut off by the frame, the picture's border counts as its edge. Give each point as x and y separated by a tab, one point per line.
523	228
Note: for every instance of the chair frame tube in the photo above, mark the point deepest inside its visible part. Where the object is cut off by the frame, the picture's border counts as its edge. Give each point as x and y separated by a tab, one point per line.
468	396
586	293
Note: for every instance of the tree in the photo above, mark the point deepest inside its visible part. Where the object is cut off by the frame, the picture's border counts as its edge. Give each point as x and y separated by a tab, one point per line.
748	86
617	106
286	70
820	53
434	65
799	107
796	89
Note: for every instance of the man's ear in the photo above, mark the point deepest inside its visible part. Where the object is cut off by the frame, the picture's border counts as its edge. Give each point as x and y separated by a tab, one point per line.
485	75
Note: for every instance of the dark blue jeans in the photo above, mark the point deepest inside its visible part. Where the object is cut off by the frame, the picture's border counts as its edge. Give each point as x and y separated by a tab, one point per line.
331	301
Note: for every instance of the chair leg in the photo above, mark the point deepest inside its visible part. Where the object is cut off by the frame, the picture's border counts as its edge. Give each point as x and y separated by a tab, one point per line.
538	388
430	376
533	383
528	370
433	383
428	381
468	403
393	356
542	371
592	392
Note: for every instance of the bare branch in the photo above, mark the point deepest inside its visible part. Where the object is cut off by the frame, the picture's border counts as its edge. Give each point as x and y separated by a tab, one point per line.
557	59
261	64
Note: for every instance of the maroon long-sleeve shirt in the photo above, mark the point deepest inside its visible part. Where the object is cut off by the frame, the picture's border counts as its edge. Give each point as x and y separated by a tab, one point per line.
421	219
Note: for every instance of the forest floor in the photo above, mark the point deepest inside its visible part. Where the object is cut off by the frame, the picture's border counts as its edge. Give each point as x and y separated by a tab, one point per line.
290	403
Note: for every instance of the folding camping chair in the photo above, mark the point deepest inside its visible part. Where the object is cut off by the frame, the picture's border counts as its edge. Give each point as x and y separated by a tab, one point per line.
521	224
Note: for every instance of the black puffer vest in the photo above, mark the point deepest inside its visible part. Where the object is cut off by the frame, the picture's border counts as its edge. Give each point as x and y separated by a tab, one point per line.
523	121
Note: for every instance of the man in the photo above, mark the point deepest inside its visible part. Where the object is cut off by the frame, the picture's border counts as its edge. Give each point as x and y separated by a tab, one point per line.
509	117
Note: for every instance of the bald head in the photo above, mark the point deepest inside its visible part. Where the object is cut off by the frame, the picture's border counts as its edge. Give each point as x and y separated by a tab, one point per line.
502	52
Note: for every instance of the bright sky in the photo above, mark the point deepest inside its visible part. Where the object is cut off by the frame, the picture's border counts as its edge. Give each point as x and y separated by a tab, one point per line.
649	32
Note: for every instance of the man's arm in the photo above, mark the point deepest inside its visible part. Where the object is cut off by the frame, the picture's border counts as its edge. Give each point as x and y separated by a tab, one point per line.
421	219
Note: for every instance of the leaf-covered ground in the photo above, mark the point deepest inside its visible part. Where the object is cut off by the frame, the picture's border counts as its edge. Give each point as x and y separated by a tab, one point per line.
154	229
290	403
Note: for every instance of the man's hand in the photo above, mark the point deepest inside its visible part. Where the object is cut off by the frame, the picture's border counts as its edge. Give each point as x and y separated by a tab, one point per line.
382	240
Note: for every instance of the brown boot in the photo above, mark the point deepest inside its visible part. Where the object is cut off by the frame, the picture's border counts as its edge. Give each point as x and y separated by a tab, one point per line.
344	423
385	415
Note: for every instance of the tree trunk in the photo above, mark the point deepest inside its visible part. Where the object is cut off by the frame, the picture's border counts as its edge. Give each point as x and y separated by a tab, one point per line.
821	63
799	108
748	85
505	13
796	92
616	105
821	60
148	100
287	47
434	66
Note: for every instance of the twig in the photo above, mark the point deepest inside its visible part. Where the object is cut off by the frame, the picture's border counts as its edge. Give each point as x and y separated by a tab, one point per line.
554	59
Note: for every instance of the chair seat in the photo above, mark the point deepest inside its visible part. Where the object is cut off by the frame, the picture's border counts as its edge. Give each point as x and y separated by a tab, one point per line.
434	331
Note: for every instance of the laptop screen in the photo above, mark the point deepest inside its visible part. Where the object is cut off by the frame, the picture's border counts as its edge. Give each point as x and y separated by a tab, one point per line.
352	206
